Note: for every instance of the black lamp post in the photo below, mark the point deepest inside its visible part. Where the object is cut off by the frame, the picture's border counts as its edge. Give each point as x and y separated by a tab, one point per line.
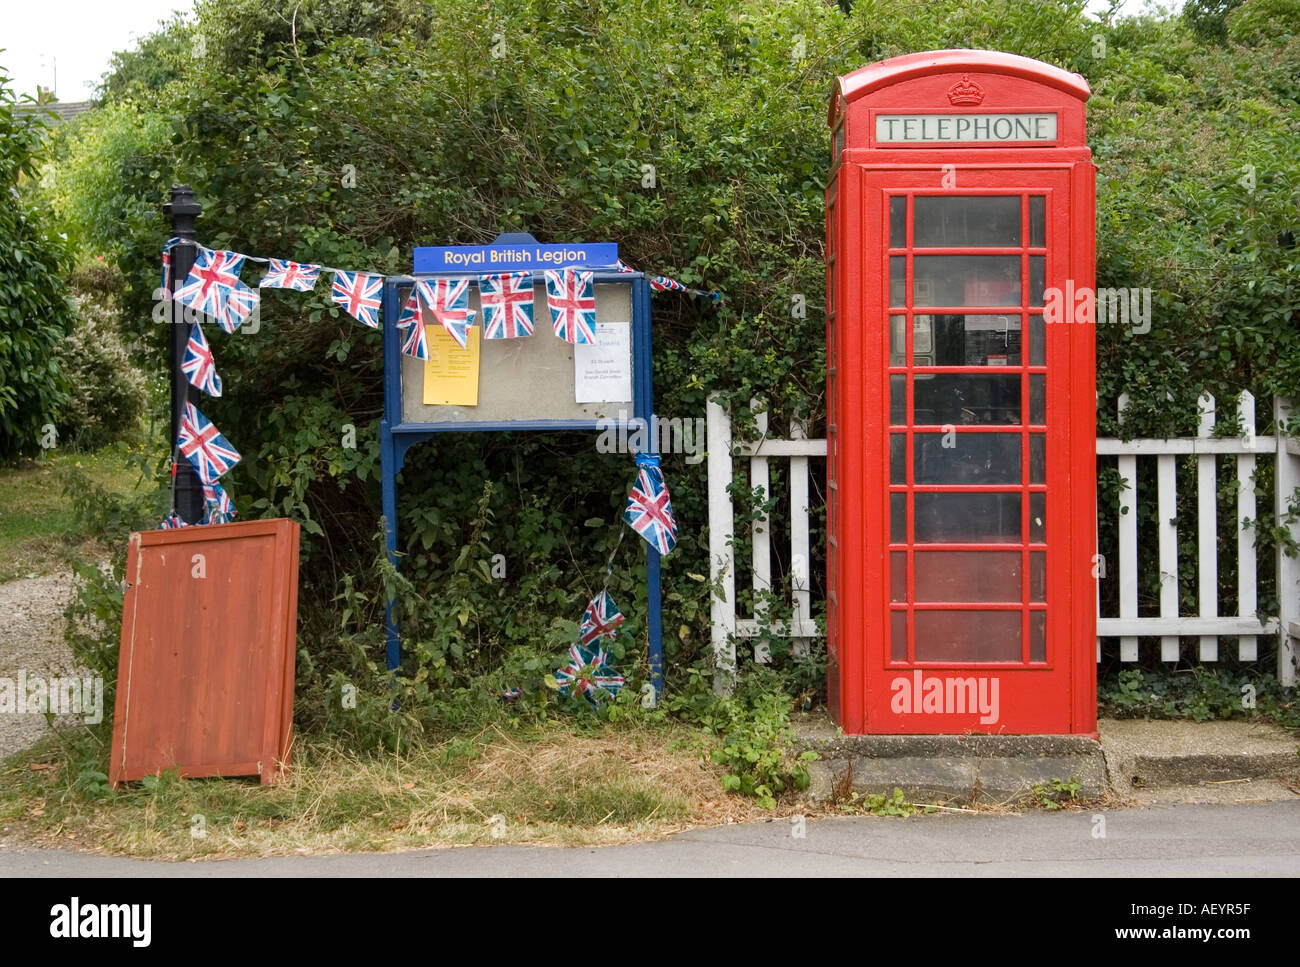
183	211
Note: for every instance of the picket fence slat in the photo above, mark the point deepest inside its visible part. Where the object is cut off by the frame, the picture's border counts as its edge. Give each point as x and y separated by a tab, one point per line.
752	628
761	566
1128	542
1167	538
722	558
1185	446
1285	482
1247	581
799	548
782	448
1207	534
1186	625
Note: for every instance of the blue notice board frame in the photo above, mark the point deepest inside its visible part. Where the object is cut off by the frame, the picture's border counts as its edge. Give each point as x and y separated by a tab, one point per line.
397	437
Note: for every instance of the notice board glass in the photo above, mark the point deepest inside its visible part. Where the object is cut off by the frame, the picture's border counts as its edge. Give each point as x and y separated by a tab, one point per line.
531	378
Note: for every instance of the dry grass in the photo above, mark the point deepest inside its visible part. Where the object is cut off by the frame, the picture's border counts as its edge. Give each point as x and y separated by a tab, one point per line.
546	786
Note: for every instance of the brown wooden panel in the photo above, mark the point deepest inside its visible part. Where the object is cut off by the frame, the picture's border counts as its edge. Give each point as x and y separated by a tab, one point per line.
206	668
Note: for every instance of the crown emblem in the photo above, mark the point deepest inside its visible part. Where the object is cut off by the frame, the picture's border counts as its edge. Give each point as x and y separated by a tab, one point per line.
965	91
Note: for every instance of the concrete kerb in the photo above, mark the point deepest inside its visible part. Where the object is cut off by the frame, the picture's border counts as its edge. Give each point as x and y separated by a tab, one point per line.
1142	756
984	769
1000	769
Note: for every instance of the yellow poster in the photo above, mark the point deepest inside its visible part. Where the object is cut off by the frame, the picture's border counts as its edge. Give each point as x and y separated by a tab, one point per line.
451	373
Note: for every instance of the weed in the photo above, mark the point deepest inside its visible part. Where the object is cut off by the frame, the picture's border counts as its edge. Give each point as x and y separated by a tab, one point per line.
880	804
757	739
1055	793
842	785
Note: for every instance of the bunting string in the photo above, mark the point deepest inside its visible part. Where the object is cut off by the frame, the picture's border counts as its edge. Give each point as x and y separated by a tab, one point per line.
214	288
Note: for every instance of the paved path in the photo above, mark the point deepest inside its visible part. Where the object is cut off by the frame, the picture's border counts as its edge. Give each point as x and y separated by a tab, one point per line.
1259	840
31	641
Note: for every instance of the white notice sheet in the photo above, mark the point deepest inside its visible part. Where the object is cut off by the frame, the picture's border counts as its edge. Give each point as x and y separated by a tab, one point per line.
603	370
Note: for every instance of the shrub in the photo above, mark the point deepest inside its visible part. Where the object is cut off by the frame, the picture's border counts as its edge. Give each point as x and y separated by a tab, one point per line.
106	396
34	310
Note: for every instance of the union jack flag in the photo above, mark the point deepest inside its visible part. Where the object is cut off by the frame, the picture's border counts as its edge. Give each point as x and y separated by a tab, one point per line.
284	274
448	300
507	301
601	620
203	445
358	294
649	509
410	311
416	343
167	266
239	305
172	521
219	508
598	674
661	282
572	299
198	364
213	287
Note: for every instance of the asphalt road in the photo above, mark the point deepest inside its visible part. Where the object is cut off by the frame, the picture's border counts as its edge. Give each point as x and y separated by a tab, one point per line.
1247	840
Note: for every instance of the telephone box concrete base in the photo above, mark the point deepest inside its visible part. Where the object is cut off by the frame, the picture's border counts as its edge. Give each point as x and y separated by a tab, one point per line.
957	769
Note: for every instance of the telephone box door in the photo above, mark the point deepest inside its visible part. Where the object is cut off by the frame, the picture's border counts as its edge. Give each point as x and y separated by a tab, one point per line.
975	451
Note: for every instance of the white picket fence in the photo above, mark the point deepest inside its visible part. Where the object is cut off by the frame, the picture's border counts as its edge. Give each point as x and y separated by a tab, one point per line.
1128	626
722	561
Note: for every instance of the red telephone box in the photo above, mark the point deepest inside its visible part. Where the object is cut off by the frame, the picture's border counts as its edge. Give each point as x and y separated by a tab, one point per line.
961	427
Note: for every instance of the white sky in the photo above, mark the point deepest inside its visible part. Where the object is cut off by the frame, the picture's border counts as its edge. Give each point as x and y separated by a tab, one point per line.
79	37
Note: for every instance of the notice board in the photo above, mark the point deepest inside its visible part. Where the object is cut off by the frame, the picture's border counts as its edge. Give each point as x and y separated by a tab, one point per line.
206	669
537	377
535	383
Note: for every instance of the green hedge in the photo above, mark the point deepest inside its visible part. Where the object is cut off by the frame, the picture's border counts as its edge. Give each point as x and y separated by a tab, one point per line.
34	310
452	143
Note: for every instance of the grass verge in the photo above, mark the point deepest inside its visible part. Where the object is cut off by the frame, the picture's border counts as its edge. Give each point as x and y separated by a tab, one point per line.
38	526
543	785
